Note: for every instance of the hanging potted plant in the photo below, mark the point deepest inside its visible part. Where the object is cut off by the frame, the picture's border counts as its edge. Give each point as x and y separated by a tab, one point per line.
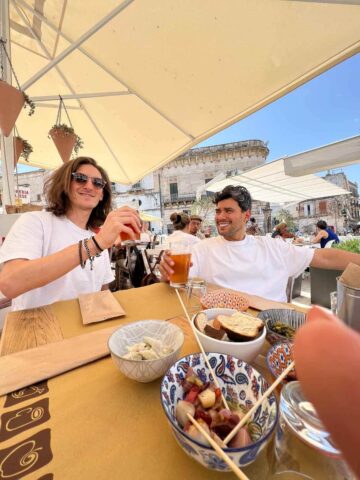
22	148
12	99
64	136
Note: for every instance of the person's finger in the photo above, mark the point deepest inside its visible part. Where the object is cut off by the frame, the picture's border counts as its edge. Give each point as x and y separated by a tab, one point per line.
327	359
318	313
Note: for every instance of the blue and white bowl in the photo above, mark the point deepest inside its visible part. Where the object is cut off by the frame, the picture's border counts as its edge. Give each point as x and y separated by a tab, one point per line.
241	384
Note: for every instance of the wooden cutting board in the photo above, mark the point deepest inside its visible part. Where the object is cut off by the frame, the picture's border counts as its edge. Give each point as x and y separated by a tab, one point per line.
21	369
28	329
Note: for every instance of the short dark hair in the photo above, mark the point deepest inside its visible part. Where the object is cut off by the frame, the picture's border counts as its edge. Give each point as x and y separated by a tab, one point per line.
322	224
252	219
238	193
57	189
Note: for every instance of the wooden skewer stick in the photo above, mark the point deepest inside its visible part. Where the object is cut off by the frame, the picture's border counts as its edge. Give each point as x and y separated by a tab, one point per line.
259	402
219	450
201	348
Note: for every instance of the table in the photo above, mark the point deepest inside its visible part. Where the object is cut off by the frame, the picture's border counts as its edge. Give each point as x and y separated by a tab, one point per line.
94	423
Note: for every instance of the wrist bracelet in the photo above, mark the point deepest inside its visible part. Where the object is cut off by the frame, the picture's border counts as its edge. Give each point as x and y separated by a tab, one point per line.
86	246
82	263
96	244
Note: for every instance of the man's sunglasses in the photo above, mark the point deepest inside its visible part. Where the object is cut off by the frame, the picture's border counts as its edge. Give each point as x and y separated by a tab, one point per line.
82	179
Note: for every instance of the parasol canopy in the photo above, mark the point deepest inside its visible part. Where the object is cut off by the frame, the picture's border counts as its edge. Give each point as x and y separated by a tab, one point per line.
145	81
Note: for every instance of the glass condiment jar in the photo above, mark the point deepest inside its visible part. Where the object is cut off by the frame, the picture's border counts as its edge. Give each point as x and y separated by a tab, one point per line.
302	445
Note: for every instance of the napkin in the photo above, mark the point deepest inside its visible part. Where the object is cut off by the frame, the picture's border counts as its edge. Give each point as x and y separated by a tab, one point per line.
99	306
351	276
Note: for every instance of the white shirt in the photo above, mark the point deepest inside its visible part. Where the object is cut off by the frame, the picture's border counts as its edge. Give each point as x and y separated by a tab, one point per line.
180	235
256	265
39	234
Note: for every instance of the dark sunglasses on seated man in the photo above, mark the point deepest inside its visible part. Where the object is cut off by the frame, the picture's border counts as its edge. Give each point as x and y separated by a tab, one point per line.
82	179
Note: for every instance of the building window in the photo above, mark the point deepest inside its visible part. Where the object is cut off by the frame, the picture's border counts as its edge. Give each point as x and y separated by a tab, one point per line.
308	210
207	180
113	187
136	186
173	191
38	197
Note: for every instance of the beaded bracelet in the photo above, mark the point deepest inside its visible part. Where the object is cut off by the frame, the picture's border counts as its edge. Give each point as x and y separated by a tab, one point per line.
86	246
96	244
82	263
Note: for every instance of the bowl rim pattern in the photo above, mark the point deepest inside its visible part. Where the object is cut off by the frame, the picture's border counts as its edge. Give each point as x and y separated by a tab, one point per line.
256	444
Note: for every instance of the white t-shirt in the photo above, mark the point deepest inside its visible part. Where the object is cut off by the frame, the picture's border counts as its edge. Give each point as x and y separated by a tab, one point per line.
256	265
180	235
39	234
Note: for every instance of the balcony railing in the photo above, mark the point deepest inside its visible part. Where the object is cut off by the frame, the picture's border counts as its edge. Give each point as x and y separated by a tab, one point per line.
178	198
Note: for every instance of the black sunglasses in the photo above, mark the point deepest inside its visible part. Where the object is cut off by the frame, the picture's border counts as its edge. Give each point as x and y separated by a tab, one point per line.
82	179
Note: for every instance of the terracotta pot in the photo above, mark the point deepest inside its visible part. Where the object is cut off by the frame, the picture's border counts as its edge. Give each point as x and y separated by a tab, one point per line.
11	103
18	148
64	143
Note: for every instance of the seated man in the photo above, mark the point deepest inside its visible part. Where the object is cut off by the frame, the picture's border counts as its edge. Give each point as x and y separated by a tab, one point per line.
195	225
59	253
324	234
256	265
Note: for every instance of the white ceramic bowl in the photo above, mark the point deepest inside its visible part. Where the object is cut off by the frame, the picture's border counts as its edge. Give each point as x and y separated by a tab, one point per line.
246	351
145	370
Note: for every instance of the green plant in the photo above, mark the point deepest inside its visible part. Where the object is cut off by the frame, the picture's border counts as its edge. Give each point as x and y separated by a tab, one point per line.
66	130
352	245
27	149
285	216
29	103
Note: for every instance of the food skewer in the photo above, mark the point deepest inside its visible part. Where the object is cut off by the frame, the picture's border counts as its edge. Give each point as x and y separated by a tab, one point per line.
201	348
259	402
218	450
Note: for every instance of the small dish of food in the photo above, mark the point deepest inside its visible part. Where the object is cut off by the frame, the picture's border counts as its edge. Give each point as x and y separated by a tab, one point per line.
281	324
225	330
224	299
144	350
278	358
188	388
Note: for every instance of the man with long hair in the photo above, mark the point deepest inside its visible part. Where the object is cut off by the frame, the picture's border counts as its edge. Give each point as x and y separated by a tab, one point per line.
60	253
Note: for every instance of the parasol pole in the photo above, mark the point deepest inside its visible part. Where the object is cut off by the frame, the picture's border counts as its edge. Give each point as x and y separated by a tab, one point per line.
7	147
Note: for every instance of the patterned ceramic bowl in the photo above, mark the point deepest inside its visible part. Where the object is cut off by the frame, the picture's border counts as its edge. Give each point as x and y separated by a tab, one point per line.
278	358
224	299
289	317
145	370
241	384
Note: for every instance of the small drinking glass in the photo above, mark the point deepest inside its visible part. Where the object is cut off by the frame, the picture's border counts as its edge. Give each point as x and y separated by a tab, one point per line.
302	445
195	289
333	302
181	256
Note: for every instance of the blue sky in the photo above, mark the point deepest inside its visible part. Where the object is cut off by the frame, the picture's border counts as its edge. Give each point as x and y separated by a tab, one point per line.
322	111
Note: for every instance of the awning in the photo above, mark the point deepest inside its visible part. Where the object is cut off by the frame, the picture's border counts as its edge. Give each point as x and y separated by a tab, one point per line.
269	183
144	81
147	217
334	155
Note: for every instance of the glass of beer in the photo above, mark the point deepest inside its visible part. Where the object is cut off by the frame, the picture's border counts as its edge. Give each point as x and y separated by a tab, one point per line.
181	256
125	237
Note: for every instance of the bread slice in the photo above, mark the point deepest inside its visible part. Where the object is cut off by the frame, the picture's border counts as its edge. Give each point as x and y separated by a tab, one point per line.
239	327
200	321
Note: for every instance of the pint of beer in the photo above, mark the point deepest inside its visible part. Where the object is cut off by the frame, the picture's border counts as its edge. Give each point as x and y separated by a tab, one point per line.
181	256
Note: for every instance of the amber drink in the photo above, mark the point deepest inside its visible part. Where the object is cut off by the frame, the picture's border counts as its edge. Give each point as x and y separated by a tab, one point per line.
181	256
124	236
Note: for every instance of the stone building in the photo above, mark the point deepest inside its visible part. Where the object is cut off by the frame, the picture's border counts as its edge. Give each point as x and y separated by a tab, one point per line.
173	187
341	212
